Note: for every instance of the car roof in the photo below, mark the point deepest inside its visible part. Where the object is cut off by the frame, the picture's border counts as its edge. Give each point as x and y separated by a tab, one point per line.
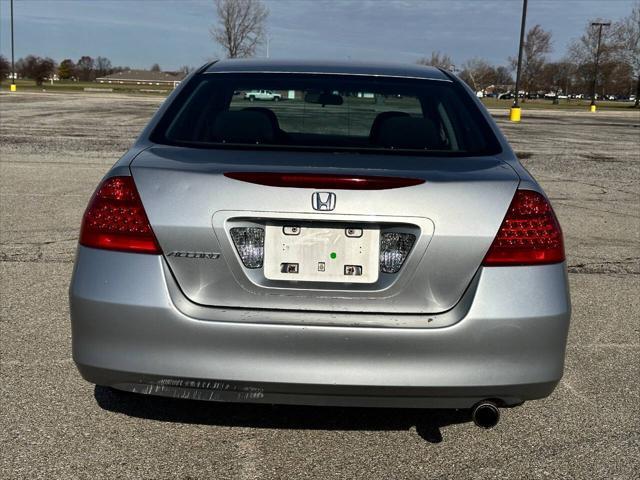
327	67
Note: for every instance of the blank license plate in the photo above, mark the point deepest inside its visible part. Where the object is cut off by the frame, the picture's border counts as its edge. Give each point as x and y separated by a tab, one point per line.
328	254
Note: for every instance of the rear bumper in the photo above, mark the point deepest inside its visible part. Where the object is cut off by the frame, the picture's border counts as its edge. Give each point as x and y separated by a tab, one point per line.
131	330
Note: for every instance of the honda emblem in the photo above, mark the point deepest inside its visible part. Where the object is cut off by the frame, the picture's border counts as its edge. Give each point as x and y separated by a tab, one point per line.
323	201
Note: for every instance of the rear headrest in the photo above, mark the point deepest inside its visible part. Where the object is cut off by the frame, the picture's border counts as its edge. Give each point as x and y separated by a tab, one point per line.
266	112
374	134
243	127
409	132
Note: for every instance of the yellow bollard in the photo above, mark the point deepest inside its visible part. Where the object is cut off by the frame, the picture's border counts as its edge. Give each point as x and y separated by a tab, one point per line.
13	87
514	114
592	108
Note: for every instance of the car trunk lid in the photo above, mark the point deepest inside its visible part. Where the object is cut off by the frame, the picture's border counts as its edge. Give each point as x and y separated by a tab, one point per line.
454	211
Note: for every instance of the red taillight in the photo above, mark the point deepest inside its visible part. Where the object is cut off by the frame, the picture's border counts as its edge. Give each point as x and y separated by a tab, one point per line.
115	219
529	235
319	180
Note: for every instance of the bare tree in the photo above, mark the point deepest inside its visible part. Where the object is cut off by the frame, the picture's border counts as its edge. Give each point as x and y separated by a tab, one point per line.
103	66
5	68
478	73
156	68
241	26
534	56
626	34
503	76
67	69
21	68
37	68
584	50
85	68
556	77
440	60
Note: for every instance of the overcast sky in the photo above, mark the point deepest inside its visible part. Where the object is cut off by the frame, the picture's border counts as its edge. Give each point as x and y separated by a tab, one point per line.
173	33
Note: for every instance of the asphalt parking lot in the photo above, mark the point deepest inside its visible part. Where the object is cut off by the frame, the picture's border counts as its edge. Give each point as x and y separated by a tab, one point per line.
54	148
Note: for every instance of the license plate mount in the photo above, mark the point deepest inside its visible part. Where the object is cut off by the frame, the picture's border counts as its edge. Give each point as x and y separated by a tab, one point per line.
336	253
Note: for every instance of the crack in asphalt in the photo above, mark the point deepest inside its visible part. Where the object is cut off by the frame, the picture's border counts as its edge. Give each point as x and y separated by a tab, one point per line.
626	266
598	210
33	260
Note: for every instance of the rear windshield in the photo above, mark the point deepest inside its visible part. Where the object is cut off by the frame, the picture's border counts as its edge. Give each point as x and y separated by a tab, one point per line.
326	112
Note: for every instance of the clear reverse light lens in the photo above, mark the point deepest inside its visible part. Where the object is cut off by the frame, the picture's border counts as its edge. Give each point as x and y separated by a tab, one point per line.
394	248
249	242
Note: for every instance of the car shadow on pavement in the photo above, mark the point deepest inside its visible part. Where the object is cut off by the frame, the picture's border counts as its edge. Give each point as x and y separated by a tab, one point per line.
427	423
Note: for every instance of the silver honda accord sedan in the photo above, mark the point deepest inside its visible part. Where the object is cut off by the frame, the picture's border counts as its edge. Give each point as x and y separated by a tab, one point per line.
369	239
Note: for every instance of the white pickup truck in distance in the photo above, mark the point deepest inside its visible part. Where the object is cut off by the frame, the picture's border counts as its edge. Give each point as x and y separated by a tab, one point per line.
262	95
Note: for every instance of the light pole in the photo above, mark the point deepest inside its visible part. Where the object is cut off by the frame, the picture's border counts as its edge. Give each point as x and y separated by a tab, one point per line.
13	64
595	68
514	114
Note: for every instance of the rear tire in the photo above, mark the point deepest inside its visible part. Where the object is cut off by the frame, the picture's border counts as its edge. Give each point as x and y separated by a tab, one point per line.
252	98
276	99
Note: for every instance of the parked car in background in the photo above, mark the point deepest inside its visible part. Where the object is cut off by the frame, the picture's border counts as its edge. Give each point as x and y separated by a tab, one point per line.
505	96
322	252
262	95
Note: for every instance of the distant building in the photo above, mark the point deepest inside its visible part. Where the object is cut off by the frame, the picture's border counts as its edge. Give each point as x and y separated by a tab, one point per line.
143	77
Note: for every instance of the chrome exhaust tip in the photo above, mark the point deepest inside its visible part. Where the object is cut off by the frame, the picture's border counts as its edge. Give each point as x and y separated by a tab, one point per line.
485	415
